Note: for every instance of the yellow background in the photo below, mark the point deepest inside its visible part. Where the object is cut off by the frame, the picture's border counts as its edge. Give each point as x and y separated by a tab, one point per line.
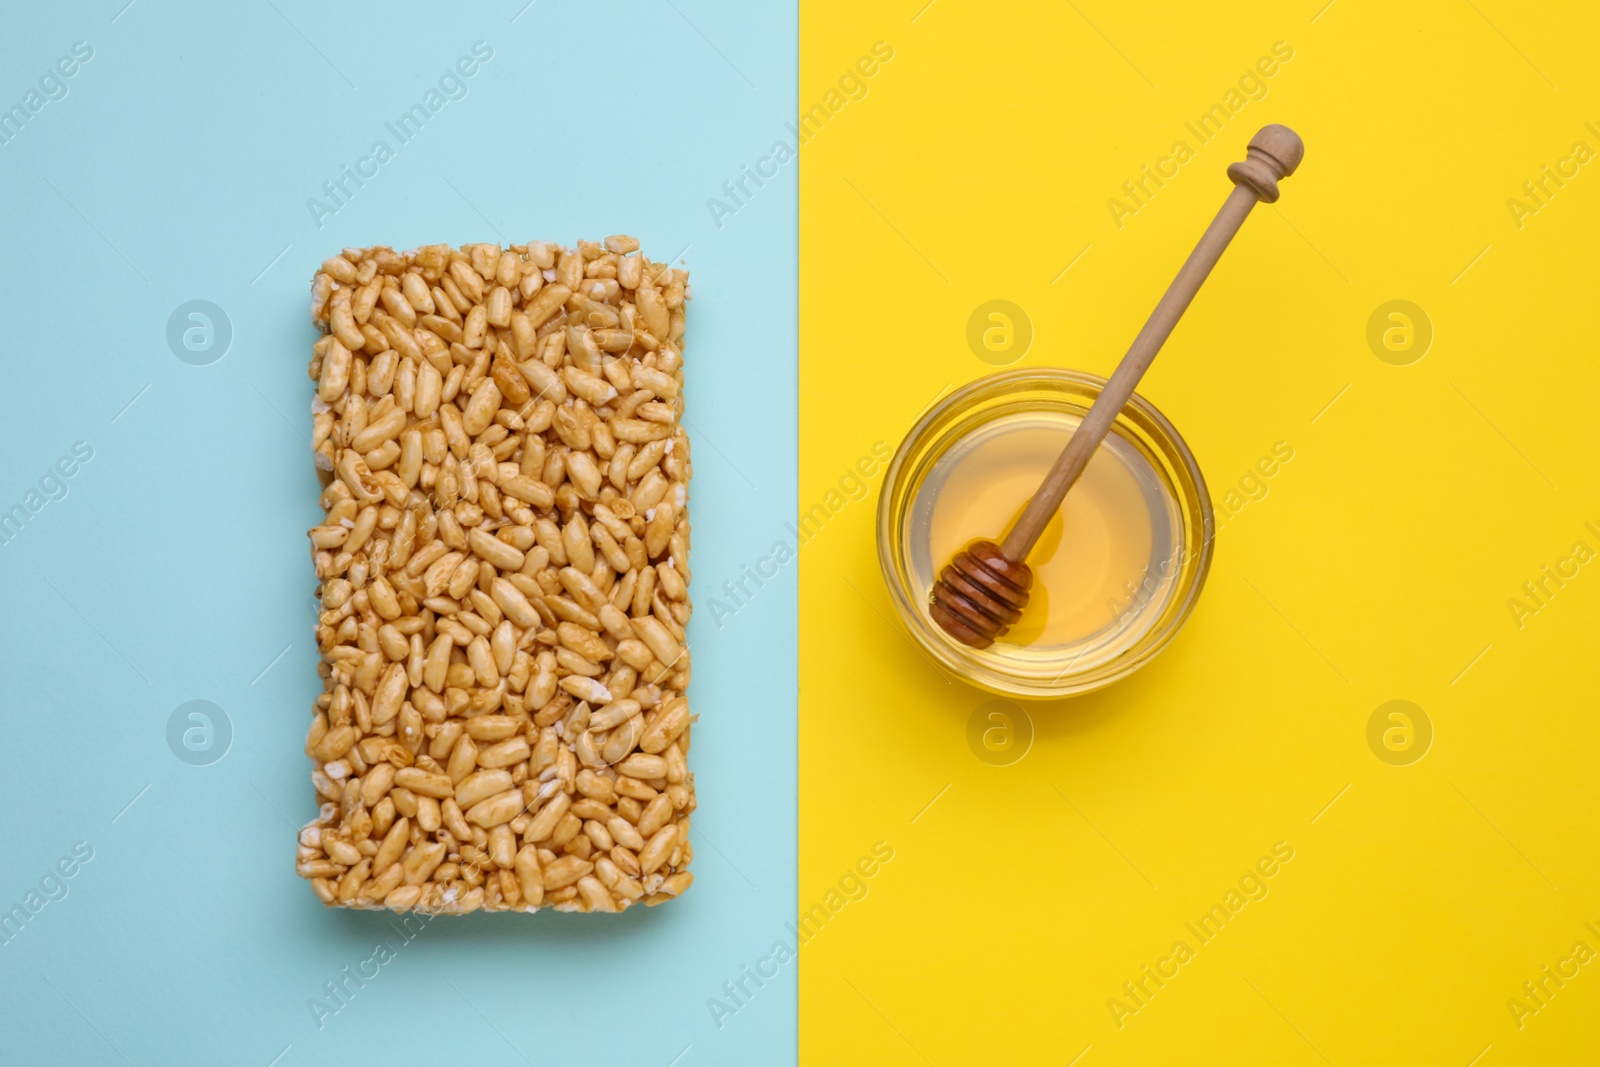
1378	566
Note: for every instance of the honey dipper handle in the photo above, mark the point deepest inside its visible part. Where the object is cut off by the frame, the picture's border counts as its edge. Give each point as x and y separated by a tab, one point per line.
1274	153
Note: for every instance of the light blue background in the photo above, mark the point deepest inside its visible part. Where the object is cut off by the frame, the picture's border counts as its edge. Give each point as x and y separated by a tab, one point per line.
178	168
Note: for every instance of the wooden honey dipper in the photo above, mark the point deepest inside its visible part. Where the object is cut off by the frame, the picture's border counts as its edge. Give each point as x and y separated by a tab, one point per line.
983	590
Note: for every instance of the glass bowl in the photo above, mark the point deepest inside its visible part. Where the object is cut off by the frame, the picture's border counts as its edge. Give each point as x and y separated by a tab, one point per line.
1115	576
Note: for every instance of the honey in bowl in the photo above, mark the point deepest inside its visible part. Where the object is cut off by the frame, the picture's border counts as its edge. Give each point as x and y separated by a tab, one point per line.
1094	556
1090	593
1114	573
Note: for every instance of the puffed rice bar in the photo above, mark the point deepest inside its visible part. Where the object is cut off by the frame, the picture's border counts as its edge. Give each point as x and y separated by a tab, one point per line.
504	580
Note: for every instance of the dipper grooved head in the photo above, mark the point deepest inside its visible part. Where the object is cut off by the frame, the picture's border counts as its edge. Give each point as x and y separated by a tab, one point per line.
980	595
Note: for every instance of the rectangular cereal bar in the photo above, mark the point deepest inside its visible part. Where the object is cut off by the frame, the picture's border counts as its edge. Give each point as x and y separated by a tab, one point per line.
503	569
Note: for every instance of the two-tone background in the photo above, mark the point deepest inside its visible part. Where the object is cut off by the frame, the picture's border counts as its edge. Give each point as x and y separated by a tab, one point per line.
1385	697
